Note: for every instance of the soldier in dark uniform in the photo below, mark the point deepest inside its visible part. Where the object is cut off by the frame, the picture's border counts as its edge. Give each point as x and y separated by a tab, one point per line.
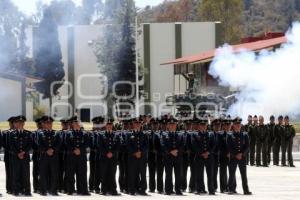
224	154
186	130
5	138
65	127
153	136
49	143
137	145
123	157
20	143
278	132
160	158
36	157
109	144
252	137
262	143
287	142
246	128
172	143
271	128
238	147
77	141
216	130
95	167
203	144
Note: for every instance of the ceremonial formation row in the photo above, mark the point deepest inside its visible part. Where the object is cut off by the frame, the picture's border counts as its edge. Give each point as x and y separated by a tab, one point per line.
164	145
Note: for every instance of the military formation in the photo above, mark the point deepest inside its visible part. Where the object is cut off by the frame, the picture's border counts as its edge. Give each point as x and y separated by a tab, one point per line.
137	147
270	138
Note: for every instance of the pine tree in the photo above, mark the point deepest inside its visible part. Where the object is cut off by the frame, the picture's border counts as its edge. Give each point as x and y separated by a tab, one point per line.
48	56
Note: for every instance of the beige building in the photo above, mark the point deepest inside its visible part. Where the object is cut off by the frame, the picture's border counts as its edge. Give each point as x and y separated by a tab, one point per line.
161	42
81	93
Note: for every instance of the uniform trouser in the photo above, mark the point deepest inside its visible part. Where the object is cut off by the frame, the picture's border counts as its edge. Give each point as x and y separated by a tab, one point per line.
108	174
252	151
160	172
192	181
7	174
171	163
137	174
77	165
35	171
20	174
200	164
290	152
61	177
284	146
233	163
270	146
92	177
224	161
215	167
261	152
98	174
184	170
152	170
123	171
49	169
276	149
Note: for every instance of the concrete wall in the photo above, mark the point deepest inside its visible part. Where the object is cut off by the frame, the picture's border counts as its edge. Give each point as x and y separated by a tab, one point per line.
11	98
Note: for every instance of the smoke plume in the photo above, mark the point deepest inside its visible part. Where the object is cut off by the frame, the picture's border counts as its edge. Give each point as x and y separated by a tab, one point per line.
268	82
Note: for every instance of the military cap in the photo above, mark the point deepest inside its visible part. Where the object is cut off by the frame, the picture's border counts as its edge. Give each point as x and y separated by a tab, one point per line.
64	121
126	121
172	120
237	120
11	119
73	119
98	120
38	120
110	121
20	118
216	121
203	121
226	121
136	120
154	121
163	121
46	118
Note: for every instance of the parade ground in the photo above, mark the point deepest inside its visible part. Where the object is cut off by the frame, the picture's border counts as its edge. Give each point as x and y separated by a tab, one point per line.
265	183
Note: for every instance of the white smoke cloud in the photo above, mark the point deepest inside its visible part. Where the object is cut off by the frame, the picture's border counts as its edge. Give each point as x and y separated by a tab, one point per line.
269	82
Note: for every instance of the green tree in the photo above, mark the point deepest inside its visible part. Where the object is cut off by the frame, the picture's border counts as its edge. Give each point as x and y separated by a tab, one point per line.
228	12
10	26
115	51
48	56
266	16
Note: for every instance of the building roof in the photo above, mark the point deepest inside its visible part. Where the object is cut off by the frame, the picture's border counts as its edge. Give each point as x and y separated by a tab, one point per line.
209	55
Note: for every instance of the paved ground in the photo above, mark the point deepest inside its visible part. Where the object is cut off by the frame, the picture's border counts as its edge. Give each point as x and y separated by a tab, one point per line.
265	183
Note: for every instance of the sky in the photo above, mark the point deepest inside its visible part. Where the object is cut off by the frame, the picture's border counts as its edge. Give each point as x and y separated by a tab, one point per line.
28	6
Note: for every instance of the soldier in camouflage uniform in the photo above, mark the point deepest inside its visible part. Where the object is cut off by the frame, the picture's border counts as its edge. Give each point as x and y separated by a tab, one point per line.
252	137
271	128
278	132
287	142
262	143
